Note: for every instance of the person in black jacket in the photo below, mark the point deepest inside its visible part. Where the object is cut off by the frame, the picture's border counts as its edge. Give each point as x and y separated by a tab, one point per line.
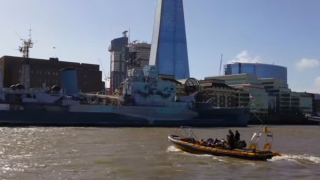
237	136
231	139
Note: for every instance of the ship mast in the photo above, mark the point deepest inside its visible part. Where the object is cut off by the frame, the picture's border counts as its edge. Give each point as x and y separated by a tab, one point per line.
25	68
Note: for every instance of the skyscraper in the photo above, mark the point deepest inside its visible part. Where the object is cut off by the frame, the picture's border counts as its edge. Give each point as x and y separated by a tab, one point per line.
169	43
118	57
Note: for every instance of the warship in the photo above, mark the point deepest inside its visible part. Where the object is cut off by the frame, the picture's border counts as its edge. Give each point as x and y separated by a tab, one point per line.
144	100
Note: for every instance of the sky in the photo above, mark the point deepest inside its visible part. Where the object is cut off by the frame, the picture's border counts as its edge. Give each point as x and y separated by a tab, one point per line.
285	32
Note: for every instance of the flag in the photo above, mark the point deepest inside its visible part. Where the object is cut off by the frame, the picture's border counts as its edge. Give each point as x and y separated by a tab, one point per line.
250	95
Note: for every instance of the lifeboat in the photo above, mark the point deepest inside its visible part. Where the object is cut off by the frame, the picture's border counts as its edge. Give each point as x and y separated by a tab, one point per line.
189	143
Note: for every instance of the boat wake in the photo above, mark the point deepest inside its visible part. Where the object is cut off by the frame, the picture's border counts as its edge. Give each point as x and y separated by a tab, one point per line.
300	159
172	149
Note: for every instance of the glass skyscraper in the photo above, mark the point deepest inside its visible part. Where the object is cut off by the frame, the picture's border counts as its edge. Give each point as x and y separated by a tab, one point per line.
169	42
261	70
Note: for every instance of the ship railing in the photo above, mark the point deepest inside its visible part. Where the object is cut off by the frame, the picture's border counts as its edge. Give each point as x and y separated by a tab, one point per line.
210	100
218	107
195	93
186	132
256	137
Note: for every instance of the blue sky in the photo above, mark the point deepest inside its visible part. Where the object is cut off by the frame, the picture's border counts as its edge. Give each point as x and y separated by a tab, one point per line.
285	32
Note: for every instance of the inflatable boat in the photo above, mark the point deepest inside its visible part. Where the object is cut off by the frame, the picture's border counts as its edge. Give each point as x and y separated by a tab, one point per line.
191	144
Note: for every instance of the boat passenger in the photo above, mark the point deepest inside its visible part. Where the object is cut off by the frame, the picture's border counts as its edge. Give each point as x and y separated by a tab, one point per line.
237	136
231	139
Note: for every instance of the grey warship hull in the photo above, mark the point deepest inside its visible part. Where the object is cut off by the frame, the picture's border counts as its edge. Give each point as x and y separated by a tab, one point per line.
121	116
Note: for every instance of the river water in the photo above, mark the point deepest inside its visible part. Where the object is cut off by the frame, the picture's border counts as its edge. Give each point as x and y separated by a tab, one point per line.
145	153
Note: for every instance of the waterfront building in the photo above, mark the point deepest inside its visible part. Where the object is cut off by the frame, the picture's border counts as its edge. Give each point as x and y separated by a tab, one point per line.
250	92
169	43
267	97
316	104
46	73
259	69
218	93
187	87
285	100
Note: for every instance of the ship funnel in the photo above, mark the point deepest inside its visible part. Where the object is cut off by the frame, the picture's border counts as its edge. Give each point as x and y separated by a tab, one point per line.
69	80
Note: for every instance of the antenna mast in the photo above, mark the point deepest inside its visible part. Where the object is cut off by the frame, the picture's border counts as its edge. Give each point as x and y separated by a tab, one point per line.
129	36
25	69
220	65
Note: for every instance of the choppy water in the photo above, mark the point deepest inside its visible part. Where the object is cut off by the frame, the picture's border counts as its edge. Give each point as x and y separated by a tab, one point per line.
145	153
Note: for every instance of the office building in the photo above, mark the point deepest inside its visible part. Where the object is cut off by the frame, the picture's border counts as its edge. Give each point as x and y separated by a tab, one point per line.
286	101
119	55
141	51
46	72
261	70
169	43
316	104
218	93
251	92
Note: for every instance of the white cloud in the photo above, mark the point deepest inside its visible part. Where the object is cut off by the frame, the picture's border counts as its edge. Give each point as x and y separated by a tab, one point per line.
316	85
305	63
245	57
314	88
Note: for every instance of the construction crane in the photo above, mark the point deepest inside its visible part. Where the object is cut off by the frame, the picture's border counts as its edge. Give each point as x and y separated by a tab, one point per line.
106	78
220	65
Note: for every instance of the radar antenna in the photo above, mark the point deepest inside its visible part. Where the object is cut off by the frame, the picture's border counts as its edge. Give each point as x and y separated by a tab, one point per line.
124	33
26	45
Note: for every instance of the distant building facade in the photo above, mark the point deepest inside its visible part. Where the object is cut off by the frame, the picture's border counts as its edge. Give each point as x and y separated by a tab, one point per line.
169	42
268	97
141	50
261	70
248	85
47	72
218	93
119	55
